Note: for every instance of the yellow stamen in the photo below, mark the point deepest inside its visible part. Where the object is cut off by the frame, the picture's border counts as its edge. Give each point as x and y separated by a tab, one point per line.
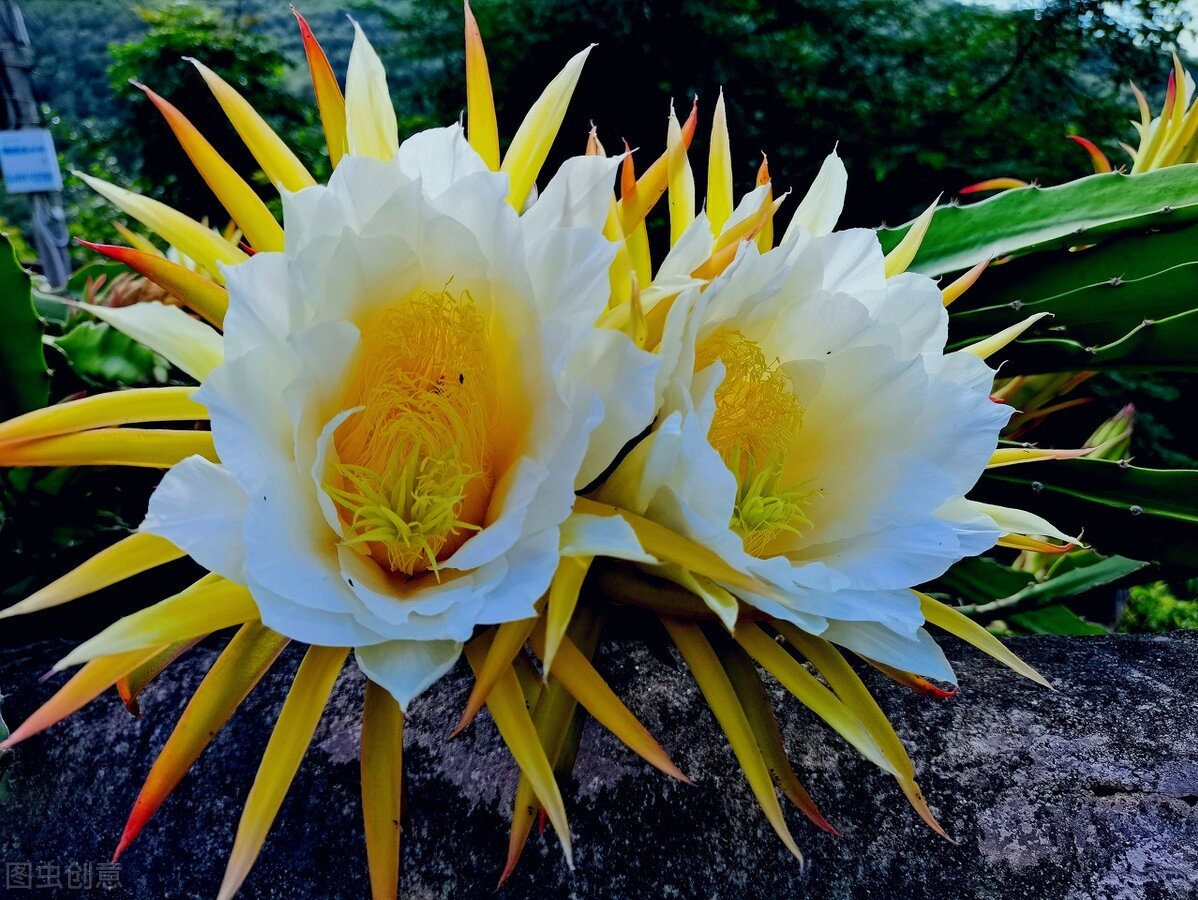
756	418
414	464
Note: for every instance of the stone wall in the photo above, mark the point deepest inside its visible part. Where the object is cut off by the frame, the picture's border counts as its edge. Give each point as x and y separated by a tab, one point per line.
1089	792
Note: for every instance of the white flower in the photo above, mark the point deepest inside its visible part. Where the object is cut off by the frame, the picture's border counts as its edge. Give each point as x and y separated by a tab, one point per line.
410	395
814	434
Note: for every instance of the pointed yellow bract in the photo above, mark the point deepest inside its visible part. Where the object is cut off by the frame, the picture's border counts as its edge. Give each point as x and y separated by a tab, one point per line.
481	127
722	604
293	732
204	297
964	282
188	236
811	693
371	128
759	711
968	630
187	343
128	557
131	685
538	131
721	697
1010	456
587	686
382	788
620	273
554	710
281	166
510	713
160	404
987	347
212	603
719	170
142	447
239	667
765	233
329	100
145	245
86	685
238	198
856	696
900	258
503	645
659	541
1021	521
563	598
681	180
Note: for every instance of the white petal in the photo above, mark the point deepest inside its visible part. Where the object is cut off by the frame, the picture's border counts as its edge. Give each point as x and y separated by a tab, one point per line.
291	551
1019	521
427	608
439	157
914	306
370	117
853	263
748	205
259	305
250	426
407	668
509	503
691	250
897	610
612	536
579	196
200	508
918	654
324	354
569	274
193	346
529	568
320	463
623	376
306	623
821	207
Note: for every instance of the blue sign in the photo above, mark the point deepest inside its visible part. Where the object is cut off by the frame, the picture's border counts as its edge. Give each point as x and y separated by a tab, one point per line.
28	160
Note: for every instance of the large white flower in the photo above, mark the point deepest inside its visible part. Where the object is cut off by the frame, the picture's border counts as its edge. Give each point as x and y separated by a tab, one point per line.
411	393
814	434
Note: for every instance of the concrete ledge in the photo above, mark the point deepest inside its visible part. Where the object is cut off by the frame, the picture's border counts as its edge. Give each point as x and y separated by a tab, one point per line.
1090	792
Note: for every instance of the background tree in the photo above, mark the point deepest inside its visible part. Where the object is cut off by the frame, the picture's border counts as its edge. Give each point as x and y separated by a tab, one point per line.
243	57
923	97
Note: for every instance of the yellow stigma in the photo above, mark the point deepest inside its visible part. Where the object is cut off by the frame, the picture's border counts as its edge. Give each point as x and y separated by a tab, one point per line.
414	469
756	418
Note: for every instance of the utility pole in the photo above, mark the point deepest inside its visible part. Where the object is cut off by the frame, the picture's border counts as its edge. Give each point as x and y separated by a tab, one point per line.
19	111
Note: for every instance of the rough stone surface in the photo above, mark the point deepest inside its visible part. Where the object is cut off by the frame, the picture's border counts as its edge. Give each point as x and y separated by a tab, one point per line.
1089	792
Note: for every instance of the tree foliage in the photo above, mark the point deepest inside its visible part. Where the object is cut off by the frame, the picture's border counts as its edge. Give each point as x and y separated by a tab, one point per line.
243	57
921	97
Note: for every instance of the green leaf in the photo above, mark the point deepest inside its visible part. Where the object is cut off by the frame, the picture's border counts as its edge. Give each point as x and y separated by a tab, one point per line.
1148	514
93	272
99	352
1068	215
1027	279
1094	314
980	580
1083	577
24	378
1152	346
995	591
1054	619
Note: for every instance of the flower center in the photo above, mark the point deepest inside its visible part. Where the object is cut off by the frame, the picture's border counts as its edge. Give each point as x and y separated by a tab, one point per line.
414	465
756	417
